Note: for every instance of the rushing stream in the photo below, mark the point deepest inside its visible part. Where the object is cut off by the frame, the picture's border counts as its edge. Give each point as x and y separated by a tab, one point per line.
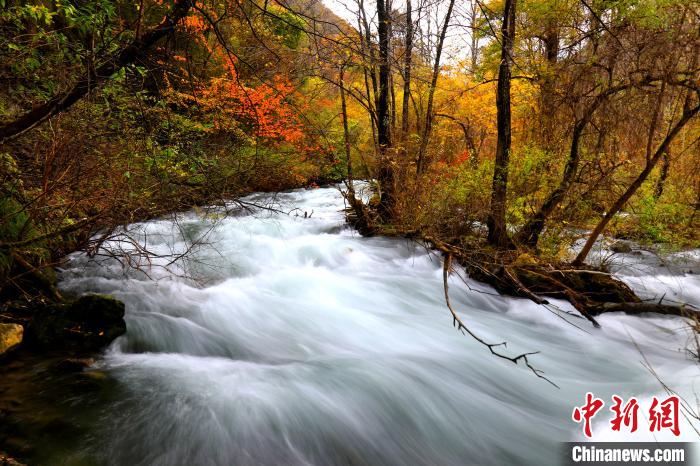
289	339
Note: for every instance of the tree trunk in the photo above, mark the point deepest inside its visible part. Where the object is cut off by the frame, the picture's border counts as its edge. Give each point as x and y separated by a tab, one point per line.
688	114
392	112
346	131
665	167
474	46
386	171
367	48
95	76
428	126
551	48
530	233
407	69
371	97
496	222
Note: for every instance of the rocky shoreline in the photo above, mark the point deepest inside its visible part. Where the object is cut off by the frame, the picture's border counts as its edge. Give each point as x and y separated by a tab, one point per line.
45	345
85	324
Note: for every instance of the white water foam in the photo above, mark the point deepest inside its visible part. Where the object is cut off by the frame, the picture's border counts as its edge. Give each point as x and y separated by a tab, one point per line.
293	340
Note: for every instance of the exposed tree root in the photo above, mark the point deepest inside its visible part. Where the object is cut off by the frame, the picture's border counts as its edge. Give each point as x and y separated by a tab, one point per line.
359	215
647	307
590	291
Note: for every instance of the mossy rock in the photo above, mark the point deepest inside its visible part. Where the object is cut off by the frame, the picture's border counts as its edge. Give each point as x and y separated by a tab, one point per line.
96	309
89	323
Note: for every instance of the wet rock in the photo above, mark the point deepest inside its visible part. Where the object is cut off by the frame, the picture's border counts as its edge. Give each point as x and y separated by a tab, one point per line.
621	247
89	323
10	336
74	364
7	461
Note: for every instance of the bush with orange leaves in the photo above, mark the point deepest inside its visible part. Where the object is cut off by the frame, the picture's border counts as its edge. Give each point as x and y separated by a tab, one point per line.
264	112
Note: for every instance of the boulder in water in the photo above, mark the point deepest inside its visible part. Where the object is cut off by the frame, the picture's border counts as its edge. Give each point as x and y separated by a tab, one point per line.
621	247
89	323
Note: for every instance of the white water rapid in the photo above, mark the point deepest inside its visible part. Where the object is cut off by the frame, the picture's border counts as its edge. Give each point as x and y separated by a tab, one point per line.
288	340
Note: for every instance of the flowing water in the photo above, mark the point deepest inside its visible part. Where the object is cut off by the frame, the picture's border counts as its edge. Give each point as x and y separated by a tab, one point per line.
289	339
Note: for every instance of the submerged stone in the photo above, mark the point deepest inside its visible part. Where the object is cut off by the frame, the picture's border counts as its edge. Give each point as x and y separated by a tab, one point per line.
74	364
621	247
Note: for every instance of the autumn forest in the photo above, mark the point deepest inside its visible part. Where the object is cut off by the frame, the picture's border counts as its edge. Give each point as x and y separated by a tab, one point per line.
528	144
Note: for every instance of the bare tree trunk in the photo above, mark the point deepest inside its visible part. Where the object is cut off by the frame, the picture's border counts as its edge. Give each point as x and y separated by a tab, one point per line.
665	167
365	46
407	68
383	132
386	171
417	112
474	46
530	233
95	76
697	204
551	48
428	126
659	188
368	49
688	114
346	131
392	94
496	222
372	119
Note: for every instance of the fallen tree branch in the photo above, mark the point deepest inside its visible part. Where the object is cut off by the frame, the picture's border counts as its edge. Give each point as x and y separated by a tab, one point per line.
457	322
646	307
523	289
571	295
52	234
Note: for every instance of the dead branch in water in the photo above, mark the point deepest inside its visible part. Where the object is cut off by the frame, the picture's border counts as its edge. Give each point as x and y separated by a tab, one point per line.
457	322
647	307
